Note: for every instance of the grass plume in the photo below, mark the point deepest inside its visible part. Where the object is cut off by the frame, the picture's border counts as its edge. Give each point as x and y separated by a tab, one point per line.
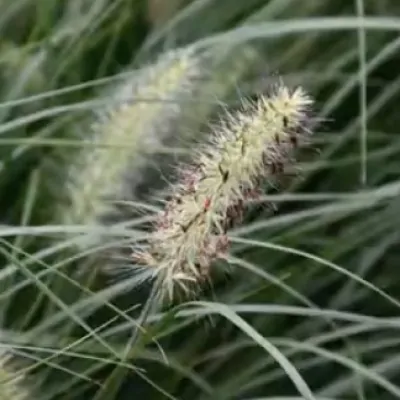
142	114
246	148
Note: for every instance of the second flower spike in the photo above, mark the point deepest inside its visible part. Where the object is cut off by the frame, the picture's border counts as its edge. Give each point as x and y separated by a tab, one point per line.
143	112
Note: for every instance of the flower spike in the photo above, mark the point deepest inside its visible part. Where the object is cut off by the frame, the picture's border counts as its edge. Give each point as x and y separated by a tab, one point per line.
246	148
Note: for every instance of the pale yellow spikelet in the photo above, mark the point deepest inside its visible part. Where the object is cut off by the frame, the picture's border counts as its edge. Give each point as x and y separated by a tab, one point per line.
246	148
141	116
11	382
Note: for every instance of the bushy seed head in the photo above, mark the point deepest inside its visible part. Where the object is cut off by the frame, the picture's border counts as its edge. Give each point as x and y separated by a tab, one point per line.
140	117
246	148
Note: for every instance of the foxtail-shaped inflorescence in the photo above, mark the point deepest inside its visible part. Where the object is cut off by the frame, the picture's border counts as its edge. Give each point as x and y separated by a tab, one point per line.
255	144
11	382
125	135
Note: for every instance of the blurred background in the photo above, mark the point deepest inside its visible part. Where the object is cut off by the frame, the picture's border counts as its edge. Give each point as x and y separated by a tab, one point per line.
308	306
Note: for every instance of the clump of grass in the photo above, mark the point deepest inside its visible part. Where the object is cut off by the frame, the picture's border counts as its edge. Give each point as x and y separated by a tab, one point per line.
246	148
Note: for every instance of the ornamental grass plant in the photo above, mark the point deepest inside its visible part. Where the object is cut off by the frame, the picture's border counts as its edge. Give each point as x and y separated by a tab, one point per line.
200	200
